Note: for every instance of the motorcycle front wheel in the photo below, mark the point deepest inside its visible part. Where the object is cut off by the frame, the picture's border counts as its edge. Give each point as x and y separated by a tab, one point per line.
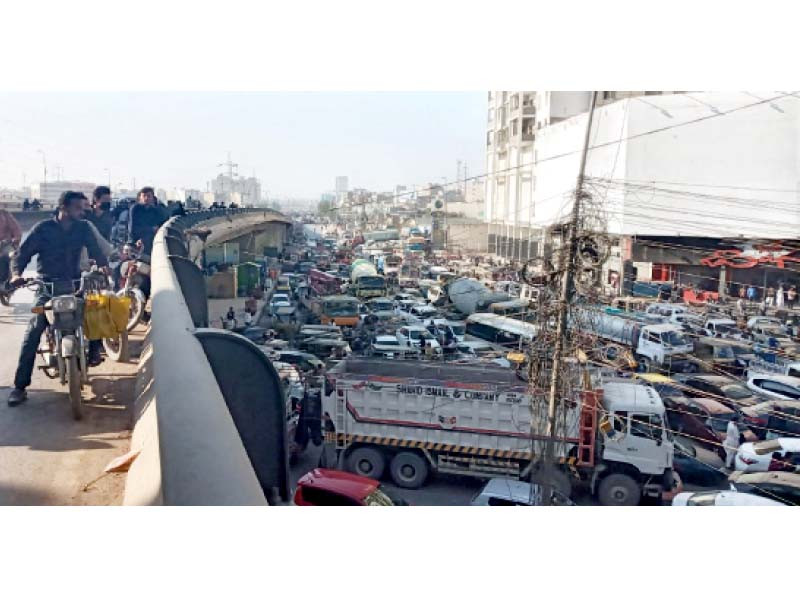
74	380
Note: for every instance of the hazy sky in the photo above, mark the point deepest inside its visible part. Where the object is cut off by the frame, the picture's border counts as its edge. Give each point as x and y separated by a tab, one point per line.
296	143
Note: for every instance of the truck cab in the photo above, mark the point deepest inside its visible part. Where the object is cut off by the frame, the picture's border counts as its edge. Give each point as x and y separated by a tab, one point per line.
664	345
412	335
637	450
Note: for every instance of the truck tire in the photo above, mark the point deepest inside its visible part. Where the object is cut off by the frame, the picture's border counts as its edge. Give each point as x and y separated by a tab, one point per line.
367	462
408	470
619	489
645	364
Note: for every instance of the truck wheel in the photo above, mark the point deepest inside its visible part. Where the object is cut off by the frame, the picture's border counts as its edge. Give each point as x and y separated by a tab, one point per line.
367	462
619	489
645	364
409	470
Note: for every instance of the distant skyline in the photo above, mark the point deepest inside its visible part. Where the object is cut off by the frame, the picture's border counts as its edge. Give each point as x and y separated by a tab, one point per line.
296	143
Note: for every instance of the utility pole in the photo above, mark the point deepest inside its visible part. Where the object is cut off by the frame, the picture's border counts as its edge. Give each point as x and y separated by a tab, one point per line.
567	267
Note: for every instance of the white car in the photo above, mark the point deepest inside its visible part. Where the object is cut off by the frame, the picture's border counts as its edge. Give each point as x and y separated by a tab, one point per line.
412	335
778	387
477	349
457	329
511	492
754	457
722	498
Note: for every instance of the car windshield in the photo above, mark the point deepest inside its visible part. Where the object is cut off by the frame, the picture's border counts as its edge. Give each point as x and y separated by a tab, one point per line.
736	392
673	338
725	328
341	308
417	334
458	329
719	422
666	389
382	305
280	298
723	352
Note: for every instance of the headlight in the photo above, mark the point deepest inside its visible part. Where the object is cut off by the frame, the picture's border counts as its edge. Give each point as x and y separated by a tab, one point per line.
65	304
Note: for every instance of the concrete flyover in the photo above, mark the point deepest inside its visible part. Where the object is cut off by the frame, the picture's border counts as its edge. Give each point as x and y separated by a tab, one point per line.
210	416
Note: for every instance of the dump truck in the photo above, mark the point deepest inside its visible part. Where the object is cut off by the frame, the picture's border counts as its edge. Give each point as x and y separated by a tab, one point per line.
365	281
411	419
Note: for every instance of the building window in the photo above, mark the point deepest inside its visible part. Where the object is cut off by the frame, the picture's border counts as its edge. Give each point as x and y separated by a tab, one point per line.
514	128
527	100
505	97
528	126
515	101
608	95
488	138
491	115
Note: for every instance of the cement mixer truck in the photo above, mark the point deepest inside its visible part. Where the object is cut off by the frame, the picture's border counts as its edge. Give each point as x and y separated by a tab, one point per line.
365	281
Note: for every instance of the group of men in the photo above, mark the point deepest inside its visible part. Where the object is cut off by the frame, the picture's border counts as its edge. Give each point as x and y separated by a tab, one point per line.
80	229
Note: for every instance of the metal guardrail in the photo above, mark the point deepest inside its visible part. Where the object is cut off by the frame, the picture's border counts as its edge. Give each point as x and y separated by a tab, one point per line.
219	432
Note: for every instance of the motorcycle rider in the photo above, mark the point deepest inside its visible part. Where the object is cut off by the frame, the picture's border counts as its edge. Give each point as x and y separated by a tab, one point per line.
144	219
58	242
100	212
12	232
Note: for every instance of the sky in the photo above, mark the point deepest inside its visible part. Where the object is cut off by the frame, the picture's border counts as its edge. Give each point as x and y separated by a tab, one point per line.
296	143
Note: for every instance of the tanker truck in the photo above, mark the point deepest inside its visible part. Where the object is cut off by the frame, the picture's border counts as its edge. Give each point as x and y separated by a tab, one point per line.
365	281
660	346
470	295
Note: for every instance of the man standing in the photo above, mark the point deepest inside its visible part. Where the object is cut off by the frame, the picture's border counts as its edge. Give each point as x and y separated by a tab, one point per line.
58	242
144	219
731	443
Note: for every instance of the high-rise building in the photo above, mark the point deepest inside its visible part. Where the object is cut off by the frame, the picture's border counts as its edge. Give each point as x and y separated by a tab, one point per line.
242	190
342	185
514	121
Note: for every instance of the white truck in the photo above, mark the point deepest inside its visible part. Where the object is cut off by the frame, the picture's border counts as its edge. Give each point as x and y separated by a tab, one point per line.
658	345
412	418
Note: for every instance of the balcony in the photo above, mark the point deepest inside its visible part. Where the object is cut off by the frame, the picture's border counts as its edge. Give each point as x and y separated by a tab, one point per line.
528	136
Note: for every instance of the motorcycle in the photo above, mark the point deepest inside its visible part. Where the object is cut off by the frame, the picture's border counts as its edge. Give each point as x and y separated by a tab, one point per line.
64	346
134	273
7	248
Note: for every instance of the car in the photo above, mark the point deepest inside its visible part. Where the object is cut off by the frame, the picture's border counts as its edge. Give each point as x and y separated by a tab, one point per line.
457	329
423	311
775	485
754	457
773	418
304	361
779	387
720	388
722	498
388	346
329	487
500	491
412	335
696	464
474	349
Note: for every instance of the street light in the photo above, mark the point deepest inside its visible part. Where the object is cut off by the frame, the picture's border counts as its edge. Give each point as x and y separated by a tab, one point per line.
44	162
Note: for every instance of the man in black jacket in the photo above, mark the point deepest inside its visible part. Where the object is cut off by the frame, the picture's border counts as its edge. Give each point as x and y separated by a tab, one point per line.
100	212
144	219
58	242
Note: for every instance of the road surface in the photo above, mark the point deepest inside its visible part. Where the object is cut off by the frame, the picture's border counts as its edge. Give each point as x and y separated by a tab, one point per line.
46	457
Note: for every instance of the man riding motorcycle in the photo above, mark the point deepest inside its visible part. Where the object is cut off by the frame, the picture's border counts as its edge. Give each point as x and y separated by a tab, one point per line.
58	242
10	237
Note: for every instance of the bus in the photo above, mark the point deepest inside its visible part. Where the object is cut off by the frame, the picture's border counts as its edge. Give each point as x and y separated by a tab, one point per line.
503	332
338	310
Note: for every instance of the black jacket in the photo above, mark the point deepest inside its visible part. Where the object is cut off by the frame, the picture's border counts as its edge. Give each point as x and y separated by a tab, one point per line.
104	223
59	250
143	222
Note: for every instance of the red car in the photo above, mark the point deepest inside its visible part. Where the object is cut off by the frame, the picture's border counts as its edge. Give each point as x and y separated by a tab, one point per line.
327	487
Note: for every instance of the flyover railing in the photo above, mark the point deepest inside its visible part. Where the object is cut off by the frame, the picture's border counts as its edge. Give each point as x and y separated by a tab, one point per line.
210	412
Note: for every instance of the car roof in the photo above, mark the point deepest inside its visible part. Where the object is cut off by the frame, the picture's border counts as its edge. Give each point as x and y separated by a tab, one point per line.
661	327
711	405
511	489
785	379
779	477
789	444
340	482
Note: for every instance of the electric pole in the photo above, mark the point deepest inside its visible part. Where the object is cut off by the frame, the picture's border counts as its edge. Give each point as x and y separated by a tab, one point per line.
567	268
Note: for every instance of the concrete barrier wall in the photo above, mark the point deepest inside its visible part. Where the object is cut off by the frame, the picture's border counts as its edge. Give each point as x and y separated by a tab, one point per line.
190	450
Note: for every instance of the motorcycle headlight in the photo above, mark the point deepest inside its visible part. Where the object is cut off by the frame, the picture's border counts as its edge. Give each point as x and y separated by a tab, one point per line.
65	304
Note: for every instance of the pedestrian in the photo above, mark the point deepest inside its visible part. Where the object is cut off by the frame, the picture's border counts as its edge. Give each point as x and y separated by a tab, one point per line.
752	294
742	292
731	442
779	298
248	318
791	297
770	297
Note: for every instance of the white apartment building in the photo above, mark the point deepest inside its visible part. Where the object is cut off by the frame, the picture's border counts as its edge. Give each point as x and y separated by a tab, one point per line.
242	190
515	120
677	177
48	193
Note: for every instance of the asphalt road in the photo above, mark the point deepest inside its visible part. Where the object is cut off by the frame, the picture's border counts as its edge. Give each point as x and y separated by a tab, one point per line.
46	457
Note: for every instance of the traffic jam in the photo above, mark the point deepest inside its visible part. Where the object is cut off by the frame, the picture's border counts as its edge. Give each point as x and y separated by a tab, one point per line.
404	365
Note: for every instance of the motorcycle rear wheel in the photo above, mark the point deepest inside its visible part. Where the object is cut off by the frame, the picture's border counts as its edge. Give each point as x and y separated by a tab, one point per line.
117	348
